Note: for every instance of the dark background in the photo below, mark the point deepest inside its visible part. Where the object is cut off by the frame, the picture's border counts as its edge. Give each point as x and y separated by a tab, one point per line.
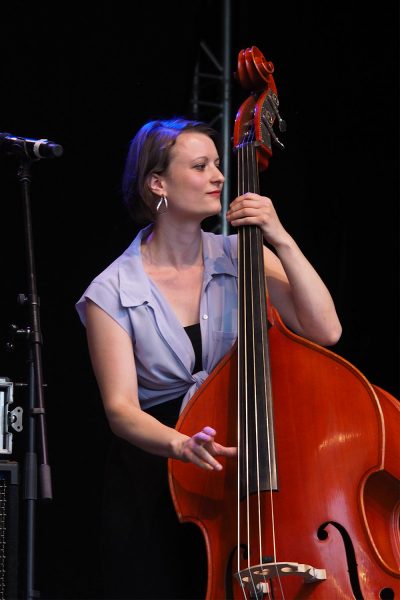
87	76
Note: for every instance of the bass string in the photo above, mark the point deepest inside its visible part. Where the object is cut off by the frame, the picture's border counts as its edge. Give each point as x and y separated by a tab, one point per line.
242	373
255	250
258	298
258	303
249	242
245	382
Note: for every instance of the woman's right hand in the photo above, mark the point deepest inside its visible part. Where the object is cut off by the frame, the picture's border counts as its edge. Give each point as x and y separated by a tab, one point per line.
201	449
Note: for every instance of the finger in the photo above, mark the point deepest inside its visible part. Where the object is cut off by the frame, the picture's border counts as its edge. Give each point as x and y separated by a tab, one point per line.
202	458
249	196
229	451
250	199
248	212
247	221
202	438
205	435
209	430
243	205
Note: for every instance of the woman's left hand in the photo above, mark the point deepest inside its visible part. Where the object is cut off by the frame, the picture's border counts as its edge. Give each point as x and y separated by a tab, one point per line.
253	209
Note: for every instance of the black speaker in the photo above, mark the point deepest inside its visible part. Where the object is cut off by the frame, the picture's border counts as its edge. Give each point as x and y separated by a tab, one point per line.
9	531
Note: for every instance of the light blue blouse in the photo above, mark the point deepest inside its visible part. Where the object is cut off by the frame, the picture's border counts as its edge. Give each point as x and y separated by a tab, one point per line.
163	352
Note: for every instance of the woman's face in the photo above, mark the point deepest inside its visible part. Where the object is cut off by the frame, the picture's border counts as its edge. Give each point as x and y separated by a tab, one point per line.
193	181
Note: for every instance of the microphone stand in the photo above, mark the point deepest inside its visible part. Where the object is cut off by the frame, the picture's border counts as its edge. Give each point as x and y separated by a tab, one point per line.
36	410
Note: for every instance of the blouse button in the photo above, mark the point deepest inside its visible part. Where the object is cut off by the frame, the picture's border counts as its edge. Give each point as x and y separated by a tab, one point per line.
205	317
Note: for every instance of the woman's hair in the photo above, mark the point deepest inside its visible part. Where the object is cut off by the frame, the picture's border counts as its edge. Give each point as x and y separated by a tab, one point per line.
150	153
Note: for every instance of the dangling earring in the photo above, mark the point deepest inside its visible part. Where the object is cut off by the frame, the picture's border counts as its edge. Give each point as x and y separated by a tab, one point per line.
162	199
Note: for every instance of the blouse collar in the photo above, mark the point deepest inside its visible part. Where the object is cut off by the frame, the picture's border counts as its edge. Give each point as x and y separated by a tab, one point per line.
135	288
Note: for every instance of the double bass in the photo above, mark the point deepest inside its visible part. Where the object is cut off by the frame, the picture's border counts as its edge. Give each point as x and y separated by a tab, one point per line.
311	507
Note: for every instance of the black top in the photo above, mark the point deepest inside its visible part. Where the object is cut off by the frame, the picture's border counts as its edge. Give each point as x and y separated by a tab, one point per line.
194	334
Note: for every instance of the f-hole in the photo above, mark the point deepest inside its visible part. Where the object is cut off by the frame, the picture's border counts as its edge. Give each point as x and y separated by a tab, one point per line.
350	555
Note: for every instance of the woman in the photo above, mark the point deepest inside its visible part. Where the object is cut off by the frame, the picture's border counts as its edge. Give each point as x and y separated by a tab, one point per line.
158	320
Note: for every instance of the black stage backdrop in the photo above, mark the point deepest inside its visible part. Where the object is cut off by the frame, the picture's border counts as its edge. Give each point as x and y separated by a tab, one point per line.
87	76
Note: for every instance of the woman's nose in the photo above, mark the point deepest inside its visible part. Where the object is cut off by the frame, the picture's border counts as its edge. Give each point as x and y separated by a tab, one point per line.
219	176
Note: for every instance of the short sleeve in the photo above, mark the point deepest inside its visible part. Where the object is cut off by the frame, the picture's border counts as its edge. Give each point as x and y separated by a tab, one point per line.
105	295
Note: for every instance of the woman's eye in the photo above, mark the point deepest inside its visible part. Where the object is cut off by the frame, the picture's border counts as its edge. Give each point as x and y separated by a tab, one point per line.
200	167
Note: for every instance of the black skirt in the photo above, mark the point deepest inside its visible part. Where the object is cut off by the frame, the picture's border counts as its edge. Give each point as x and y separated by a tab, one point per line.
146	553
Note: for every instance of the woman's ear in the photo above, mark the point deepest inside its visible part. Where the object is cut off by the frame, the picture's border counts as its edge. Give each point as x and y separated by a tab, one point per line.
155	184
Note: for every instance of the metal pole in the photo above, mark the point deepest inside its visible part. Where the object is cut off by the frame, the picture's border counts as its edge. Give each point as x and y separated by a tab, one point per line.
226	113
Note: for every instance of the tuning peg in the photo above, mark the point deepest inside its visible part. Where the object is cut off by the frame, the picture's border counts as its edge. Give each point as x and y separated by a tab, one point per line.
281	123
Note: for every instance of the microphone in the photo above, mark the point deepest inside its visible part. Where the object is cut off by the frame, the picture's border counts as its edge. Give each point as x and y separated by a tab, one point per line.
35	149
